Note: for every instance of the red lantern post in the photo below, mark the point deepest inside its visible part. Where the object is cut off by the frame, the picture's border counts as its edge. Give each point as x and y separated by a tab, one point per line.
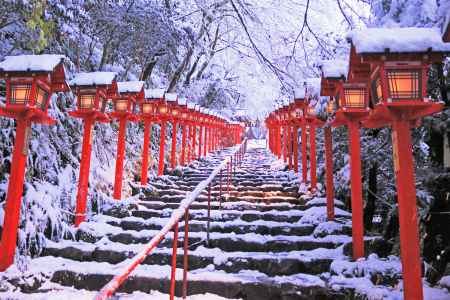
30	82
332	72
93	91
149	107
125	107
398	77
201	122
184	119
352	100
163	115
172	101
301	104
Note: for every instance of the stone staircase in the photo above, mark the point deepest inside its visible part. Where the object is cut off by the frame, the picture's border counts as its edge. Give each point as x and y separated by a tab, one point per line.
267	241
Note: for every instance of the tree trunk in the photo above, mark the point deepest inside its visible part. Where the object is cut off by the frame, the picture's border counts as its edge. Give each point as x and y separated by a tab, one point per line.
148	69
191	72
177	75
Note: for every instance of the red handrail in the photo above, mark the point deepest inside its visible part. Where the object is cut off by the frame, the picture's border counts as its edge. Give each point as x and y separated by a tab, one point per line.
183	210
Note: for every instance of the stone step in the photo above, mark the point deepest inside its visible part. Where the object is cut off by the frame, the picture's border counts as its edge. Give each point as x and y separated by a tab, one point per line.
228	242
232	290
225	216
243	285
271	265
226	205
239	228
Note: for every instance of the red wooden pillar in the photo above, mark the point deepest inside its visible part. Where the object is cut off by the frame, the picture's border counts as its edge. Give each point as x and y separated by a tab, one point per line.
295	148
173	157
162	142
329	172
120	158
406	189
356	190
200	138
183	143
290	152
14	196
278	139
83	179
145	150
189	154
304	154
313	158
285	143
194	141
205	146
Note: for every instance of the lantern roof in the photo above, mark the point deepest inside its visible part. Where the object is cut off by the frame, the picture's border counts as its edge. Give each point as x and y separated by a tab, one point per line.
171	97
130	86
154	93
397	40
334	69
93	78
29	63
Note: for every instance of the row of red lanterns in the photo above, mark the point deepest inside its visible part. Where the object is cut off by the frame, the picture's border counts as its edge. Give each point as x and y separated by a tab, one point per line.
379	87
31	80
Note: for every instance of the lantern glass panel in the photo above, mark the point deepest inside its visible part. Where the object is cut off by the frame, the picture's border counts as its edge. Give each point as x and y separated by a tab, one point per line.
162	109
298	112
404	84
147	108
355	98
121	105
87	101
41	98
184	116
20	93
174	112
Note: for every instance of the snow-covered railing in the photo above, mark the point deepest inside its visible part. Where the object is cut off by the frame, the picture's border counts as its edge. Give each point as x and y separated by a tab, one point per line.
229	163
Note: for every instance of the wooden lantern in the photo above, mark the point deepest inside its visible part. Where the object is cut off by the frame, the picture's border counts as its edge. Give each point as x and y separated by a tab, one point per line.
30	82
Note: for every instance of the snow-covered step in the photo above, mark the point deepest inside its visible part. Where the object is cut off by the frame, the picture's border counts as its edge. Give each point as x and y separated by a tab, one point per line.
230	215
271	264
246	284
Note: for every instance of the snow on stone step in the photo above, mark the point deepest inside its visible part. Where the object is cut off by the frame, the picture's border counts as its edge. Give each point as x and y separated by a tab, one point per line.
256	285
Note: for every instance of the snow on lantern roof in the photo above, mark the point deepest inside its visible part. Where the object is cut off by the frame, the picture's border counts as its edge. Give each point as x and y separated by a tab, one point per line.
191	105
299	93
93	78
335	68
27	63
398	40
130	86
154	93
171	97
197	107
182	101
